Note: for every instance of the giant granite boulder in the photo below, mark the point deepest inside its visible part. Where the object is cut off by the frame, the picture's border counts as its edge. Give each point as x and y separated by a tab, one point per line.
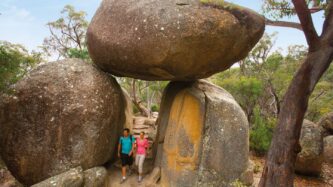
61	115
309	160
171	39
203	136
71	178
76	177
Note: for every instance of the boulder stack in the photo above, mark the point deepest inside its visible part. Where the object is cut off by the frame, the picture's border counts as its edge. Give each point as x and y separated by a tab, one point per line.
171	39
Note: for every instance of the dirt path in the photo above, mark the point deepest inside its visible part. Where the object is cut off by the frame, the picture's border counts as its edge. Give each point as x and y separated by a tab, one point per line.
326	180
114	176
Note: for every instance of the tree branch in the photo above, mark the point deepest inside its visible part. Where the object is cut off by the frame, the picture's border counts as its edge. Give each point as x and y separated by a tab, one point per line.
305	18
316	9
312	10
319	95
284	24
328	25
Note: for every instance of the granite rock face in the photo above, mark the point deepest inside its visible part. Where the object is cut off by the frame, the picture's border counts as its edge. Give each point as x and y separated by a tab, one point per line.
171	39
61	115
328	150
309	160
203	137
326	122
95	177
71	178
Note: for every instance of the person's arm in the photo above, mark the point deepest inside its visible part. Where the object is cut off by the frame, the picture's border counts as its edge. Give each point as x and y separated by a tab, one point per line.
133	147
119	148
147	145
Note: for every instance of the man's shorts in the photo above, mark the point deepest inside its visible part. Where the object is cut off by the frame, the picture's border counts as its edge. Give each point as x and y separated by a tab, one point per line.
126	160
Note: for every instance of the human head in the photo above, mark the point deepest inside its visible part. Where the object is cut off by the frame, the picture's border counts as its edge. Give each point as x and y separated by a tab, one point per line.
126	132
142	134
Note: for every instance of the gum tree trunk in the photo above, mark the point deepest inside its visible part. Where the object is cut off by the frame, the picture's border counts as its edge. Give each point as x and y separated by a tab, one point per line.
281	157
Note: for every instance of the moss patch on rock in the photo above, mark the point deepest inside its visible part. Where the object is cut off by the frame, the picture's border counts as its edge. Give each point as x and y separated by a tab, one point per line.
221	4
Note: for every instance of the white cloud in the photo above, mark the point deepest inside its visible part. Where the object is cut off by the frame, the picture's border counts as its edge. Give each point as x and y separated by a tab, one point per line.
18	25
15	13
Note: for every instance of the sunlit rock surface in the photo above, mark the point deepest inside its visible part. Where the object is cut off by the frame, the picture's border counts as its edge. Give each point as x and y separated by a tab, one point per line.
61	115
171	39
309	161
203	137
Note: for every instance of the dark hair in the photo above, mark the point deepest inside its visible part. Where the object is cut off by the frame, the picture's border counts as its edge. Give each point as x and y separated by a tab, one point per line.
126	129
142	132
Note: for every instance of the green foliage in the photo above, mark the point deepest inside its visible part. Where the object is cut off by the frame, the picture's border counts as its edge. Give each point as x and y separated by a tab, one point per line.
68	35
246	90
278	9
213	2
261	133
260	82
15	61
147	93
321	100
221	4
135	109
155	108
237	183
77	53
256	168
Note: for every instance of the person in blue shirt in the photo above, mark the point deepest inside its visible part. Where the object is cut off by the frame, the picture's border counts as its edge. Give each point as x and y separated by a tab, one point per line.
125	151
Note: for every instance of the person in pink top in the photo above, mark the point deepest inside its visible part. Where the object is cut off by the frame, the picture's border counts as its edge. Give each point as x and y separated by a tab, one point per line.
142	146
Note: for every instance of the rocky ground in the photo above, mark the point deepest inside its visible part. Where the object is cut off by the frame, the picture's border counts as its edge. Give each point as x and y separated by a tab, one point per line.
326	179
115	177
144	124
140	124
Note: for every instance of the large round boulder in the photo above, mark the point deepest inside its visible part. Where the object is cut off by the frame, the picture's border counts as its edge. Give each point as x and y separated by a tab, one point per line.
309	161
171	39
203	136
61	115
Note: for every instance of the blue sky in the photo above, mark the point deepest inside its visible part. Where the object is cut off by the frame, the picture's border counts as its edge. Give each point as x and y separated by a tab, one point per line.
23	21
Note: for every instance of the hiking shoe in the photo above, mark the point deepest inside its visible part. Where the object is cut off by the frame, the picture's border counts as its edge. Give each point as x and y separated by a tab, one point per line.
122	180
139	179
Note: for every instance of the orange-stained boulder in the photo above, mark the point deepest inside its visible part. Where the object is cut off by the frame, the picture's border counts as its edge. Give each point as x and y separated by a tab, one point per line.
203	137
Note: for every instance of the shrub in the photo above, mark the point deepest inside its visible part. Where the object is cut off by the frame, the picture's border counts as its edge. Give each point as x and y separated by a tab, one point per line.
261	133
237	183
154	108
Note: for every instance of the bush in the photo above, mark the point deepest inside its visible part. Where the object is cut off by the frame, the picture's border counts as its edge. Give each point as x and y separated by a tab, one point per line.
256	168
261	133
237	183
154	108
135	109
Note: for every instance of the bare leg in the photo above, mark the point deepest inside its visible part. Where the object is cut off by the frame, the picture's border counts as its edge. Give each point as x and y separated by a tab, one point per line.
123	171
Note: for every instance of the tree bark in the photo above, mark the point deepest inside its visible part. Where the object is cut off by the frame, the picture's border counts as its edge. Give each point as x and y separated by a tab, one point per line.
281	157
305	18
284	24
142	109
279	168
